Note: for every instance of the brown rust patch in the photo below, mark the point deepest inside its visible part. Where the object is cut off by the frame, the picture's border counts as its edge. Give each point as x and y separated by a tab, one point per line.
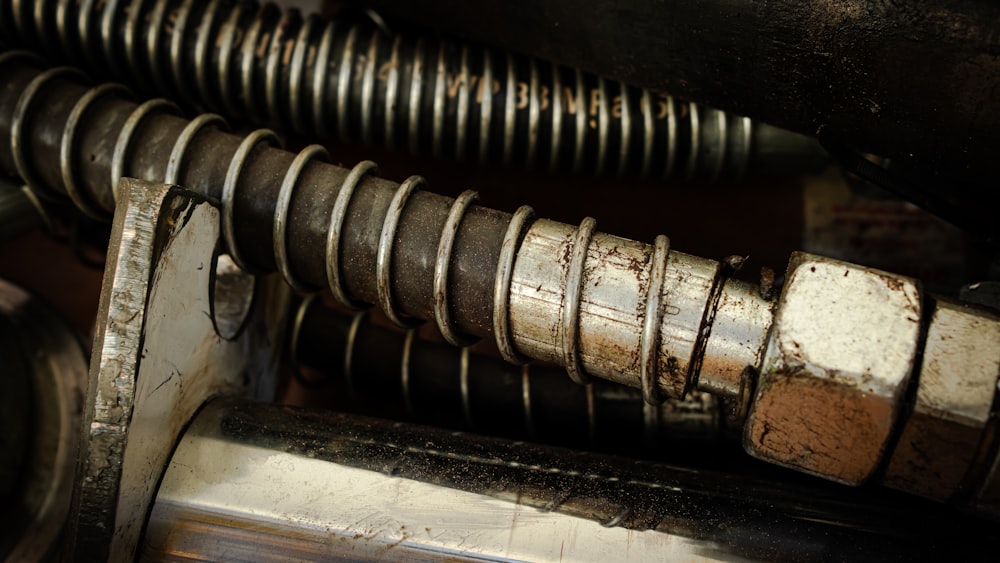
819	427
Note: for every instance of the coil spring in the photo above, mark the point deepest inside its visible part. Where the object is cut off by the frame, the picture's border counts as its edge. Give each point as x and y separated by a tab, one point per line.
656	420
350	78
25	112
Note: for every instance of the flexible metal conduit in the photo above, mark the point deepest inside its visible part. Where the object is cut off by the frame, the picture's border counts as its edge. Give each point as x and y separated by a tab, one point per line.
350	79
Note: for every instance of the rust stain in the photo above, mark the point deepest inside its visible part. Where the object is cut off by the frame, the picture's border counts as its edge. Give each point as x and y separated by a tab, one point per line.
818	426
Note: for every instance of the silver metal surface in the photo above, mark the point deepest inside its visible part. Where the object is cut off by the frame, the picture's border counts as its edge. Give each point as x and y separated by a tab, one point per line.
613	296
386	240
180	149
158	357
19	213
231	495
67	166
442	313
416	91
337	216
649	343
462	111
493	398
368	90
737	339
392	96
954	402
300	56
836	368
22	113
232	297
501	290
236	165
404	373
570	316
268	483
352	338
440	93
260	62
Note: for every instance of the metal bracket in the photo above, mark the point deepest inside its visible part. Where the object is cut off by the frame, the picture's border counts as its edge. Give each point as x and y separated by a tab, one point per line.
176	326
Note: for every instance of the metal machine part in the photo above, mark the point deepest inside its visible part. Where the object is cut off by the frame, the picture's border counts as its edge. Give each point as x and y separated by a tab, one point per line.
269	483
642	315
164	345
349	78
372	369
798	65
44	375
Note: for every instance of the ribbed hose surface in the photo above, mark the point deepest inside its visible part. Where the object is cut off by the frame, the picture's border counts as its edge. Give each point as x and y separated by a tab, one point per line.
349	79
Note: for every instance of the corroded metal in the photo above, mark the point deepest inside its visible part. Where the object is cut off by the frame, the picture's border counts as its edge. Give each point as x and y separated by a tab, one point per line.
158	357
838	361
954	401
272	483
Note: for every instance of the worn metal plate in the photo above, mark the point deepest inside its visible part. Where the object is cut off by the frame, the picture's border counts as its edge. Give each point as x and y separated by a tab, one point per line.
158	357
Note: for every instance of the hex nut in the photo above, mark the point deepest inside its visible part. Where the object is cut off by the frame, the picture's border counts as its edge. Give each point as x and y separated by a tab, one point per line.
835	369
958	376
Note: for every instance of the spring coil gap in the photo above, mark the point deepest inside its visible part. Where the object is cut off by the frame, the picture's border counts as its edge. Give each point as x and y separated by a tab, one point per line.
25	110
24	113
651	416
349	78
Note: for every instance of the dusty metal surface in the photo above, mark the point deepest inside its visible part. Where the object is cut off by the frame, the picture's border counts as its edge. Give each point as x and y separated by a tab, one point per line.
616	276
265	482
158	357
233	492
736	342
577	297
838	360
954	401
353	79
452	388
19	211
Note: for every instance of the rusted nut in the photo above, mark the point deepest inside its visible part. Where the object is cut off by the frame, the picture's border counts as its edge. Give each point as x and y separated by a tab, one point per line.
835	369
959	373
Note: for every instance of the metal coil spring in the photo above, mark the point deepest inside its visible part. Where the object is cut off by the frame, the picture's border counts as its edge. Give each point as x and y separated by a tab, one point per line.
25	111
349	78
655	419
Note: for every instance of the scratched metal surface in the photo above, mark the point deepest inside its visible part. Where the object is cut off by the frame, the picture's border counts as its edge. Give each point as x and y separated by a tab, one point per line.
266	482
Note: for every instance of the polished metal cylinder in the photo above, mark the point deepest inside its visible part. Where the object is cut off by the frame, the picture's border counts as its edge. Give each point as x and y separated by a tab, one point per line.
270	483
